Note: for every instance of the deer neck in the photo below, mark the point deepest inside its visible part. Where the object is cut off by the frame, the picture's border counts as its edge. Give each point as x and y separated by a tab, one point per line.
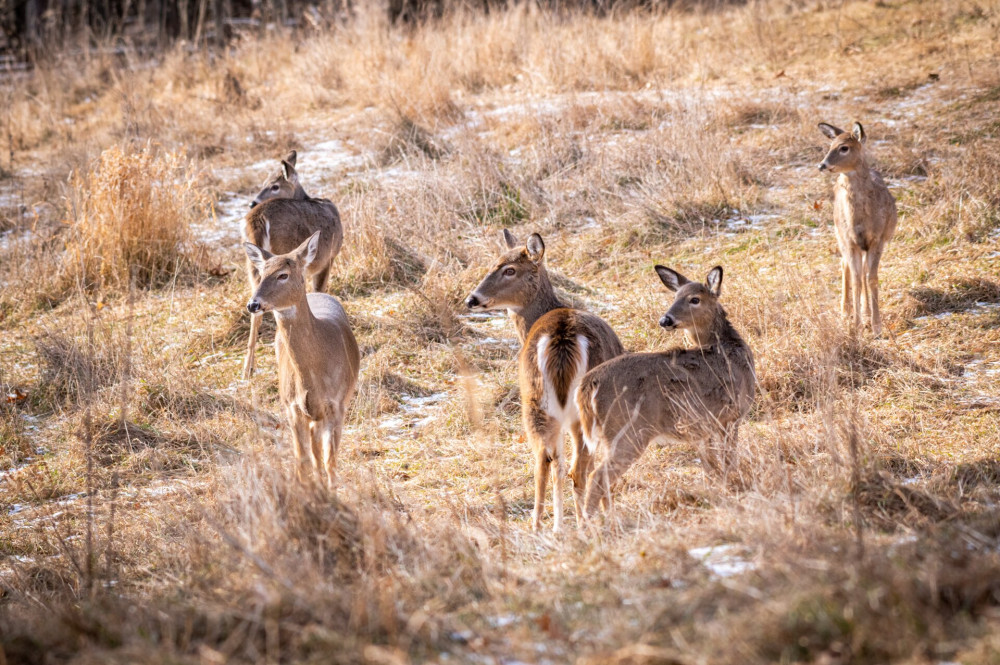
297	324
720	334
860	179
545	301
300	194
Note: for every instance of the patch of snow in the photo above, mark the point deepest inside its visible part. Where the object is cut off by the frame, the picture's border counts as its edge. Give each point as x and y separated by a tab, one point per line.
722	560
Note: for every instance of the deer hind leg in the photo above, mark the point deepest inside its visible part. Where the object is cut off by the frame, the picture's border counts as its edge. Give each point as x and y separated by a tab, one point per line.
319	279
579	469
250	364
871	278
622	451
541	480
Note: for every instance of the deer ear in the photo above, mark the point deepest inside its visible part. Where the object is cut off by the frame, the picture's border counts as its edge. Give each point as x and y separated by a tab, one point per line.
258	257
290	158
859	133
307	251
535	247
829	131
510	239
714	281
671	279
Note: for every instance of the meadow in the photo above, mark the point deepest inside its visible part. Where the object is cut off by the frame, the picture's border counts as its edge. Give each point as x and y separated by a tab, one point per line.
149	509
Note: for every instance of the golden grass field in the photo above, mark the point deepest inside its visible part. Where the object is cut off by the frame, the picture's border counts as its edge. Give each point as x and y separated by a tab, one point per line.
149	511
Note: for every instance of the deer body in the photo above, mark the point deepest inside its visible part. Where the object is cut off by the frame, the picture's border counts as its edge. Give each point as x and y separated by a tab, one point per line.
559	345
281	217
695	394
864	219
318	358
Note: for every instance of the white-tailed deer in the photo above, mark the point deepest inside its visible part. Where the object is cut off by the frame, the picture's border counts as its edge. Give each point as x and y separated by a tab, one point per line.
864	218
558	345
318	357
696	394
280	219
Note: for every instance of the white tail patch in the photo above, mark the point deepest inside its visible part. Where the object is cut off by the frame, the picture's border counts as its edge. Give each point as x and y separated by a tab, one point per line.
563	413
267	235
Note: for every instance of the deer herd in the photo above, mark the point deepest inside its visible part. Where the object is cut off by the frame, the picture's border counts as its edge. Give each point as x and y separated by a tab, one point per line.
574	375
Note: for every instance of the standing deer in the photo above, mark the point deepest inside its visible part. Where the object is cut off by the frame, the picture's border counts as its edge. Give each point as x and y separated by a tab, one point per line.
281	217
318	357
558	345
864	218
696	394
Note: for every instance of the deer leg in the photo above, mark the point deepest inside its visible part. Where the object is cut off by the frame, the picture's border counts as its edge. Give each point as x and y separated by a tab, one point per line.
250	364
301	442
579	469
541	480
622	452
845	287
873	259
856	287
320	278
332	429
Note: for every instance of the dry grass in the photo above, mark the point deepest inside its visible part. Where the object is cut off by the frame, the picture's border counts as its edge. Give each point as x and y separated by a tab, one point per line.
148	512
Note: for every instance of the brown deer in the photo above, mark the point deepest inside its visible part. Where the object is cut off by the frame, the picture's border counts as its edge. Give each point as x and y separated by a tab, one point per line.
697	394
280	219
558	345
864	219
318	357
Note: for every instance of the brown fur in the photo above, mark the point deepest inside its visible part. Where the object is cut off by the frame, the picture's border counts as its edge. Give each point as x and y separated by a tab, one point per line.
864	219
695	394
279	221
520	283
318	358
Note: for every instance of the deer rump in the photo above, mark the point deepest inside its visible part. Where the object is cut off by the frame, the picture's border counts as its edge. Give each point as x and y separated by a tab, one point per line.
696	395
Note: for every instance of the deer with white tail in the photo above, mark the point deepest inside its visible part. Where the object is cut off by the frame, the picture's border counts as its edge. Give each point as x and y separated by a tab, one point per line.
318	358
558	345
695	395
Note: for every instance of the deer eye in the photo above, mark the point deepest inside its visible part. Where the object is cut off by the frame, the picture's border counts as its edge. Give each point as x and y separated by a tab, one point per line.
695	300
275	187
509	272
282	277
844	149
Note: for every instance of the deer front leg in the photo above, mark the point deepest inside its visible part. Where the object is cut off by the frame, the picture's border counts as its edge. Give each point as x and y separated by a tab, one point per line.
856	269
301	442
331	433
845	287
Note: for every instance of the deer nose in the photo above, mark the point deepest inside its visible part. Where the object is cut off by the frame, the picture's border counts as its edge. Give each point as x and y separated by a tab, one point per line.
822	166
472	301
253	306
252	204
668	321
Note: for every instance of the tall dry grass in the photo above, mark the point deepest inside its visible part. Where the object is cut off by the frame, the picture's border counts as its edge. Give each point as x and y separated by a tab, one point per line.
130	220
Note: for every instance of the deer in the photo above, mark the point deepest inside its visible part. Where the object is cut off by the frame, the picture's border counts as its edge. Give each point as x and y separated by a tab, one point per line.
281	217
559	344
864	219
698	392
318	358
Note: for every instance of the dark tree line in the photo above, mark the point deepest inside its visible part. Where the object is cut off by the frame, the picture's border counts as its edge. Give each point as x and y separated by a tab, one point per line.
33	26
